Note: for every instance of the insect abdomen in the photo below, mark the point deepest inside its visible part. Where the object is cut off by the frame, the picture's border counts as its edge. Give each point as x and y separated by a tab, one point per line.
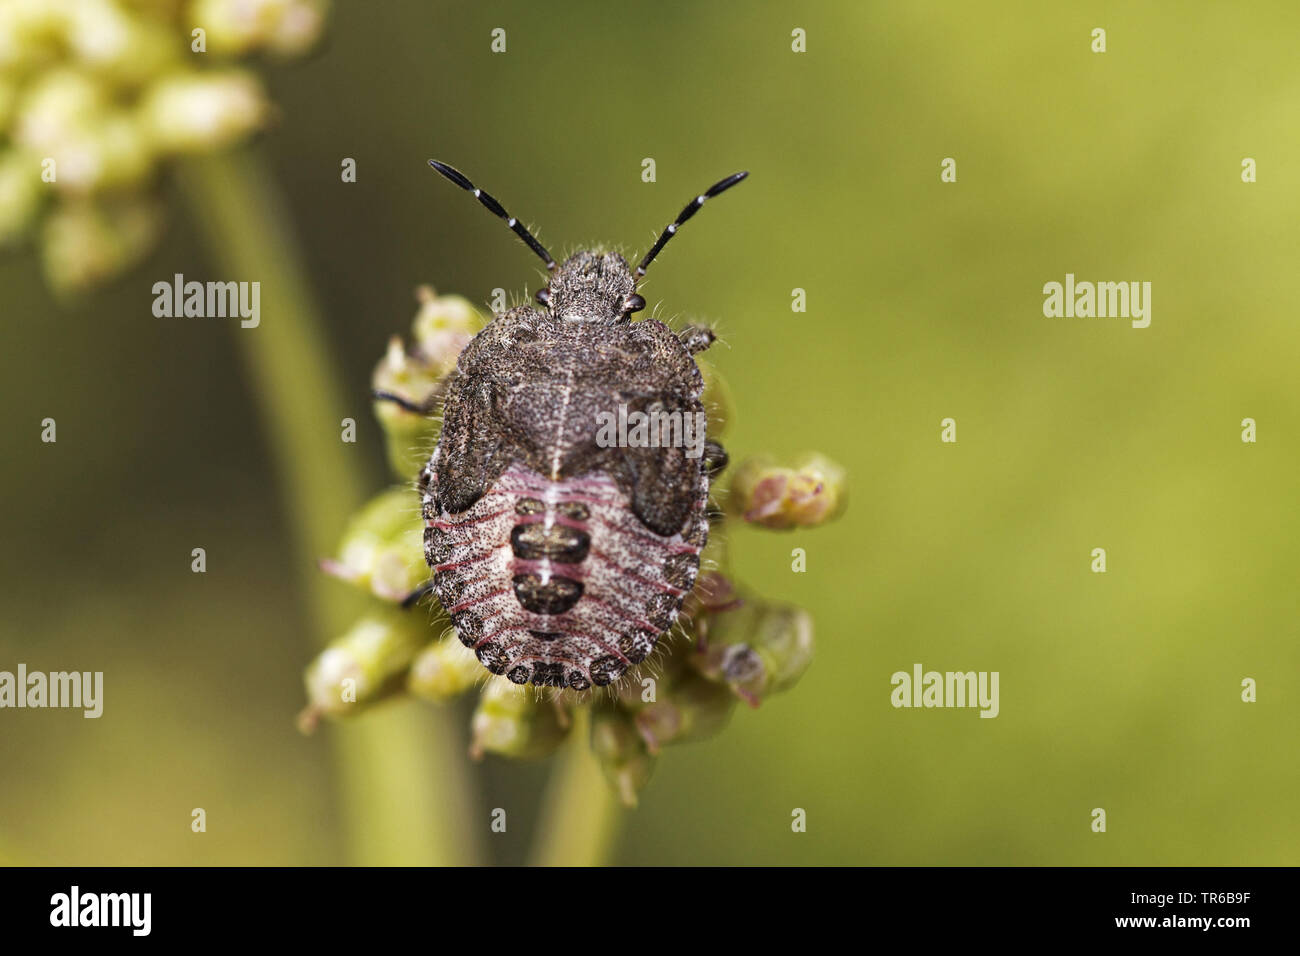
556	582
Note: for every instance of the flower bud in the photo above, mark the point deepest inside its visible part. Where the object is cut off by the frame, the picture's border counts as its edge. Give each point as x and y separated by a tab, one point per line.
442	328
756	648
109	153
198	112
97	31
409	437
299	27
55	108
365	665
443	670
784	642
690	708
235	27
84	244
239	27
510	721
32	33
621	752
117	45
811	492
383	547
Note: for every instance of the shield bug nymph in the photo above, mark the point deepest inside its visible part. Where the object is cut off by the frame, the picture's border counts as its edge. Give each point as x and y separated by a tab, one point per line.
560	557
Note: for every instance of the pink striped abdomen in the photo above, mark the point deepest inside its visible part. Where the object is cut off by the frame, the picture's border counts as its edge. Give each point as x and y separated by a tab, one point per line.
557	582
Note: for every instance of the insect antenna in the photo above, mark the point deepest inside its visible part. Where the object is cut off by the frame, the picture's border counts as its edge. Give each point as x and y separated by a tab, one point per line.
685	214
496	209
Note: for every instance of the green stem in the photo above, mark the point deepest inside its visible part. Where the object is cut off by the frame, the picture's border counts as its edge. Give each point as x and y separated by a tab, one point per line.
403	781
580	816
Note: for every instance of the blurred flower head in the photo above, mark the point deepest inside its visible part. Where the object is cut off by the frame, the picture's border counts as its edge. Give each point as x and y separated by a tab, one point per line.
97	96
730	645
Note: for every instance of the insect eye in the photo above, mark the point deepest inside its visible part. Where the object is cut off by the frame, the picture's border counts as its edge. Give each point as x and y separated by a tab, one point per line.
634	303
544	297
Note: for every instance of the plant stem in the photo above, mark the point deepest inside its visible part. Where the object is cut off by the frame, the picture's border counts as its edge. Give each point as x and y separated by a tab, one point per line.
580	817
404	788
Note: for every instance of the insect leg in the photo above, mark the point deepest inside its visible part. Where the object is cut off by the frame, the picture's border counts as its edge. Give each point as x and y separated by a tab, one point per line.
413	598
715	458
697	338
419	408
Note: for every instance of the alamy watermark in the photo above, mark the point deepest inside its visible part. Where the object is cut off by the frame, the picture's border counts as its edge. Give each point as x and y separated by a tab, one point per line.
210	300
1086	300
82	690
129	910
947	689
653	429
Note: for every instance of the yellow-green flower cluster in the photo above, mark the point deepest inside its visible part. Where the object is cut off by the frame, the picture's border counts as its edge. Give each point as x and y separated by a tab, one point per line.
732	645
96	96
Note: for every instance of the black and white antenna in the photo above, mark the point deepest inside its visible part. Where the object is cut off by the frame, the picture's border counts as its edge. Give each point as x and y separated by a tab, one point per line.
685	214
496	209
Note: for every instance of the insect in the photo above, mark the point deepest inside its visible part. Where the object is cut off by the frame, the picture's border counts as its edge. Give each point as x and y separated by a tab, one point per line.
561	558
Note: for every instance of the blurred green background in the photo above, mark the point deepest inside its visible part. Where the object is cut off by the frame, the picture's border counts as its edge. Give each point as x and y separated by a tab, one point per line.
1119	690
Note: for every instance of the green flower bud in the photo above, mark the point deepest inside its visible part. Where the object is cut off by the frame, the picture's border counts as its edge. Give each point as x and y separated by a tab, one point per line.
811	492
690	708
443	670
238	27
510	721
97	31
233	28
109	153
32	33
299	27
621	751
198	112
56	108
409	437
383	547
641	688
756	648
118	45
84	244
363	666
442	328
784	643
